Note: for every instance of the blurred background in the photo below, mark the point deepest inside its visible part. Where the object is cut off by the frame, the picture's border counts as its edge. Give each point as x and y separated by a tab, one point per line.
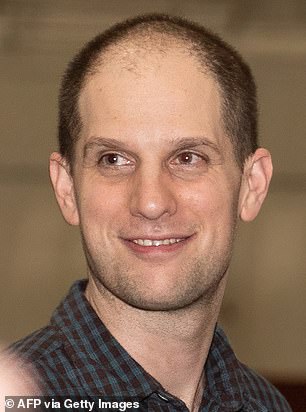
264	311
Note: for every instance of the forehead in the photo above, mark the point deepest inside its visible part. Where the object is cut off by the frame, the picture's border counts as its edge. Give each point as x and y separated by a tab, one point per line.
151	96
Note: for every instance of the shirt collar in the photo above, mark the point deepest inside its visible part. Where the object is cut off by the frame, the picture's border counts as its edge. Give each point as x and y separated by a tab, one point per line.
222	371
95	352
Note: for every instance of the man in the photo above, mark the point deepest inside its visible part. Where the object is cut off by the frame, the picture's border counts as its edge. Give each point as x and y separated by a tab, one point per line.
14	379
158	160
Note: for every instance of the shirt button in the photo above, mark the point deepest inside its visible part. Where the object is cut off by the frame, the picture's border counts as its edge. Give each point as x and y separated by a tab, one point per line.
162	396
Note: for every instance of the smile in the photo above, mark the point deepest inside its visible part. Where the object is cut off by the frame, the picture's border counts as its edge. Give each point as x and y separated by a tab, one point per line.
149	242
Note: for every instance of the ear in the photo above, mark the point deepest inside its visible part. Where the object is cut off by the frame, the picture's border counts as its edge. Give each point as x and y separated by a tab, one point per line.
255	183
63	188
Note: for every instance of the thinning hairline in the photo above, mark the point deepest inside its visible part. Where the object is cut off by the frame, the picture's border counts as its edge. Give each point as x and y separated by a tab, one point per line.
151	43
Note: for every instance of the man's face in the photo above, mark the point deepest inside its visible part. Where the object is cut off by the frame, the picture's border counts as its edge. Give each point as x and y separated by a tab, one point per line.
156	182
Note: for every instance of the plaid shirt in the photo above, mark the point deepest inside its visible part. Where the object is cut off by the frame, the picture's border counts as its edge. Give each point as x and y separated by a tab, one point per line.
75	355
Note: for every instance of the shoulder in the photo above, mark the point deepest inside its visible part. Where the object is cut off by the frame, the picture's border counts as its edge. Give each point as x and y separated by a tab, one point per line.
45	352
260	391
37	345
254	390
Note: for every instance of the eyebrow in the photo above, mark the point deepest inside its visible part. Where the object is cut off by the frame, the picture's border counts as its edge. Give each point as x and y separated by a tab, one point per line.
97	142
177	143
189	142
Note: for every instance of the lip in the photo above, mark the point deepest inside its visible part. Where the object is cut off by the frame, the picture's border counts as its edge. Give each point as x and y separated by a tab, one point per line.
161	250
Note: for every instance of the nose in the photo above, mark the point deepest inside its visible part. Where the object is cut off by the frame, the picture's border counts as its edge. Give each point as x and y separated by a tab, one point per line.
152	195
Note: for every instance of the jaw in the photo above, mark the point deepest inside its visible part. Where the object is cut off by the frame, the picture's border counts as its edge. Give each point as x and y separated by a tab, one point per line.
158	281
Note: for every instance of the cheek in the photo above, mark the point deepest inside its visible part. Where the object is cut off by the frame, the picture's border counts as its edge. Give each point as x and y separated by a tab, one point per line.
208	197
212	204
101	205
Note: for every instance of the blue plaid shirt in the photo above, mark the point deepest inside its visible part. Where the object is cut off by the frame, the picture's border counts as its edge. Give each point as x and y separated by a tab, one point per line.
75	355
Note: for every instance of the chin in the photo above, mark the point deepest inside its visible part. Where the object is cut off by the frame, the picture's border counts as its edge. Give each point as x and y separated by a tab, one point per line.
160	302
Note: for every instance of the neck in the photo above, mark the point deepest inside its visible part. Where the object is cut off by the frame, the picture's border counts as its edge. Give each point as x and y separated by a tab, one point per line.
168	345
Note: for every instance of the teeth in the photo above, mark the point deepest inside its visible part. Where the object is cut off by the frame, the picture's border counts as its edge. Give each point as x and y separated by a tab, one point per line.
148	242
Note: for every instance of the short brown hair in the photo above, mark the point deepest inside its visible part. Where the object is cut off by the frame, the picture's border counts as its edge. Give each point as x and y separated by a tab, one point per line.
232	74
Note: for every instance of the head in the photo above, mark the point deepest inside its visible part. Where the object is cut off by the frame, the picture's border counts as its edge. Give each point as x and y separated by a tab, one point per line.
158	159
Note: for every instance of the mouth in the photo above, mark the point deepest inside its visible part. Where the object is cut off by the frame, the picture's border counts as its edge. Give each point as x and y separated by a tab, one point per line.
157	242
147	247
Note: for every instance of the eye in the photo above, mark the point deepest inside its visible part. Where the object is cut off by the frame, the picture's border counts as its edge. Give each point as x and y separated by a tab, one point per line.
189	158
113	159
